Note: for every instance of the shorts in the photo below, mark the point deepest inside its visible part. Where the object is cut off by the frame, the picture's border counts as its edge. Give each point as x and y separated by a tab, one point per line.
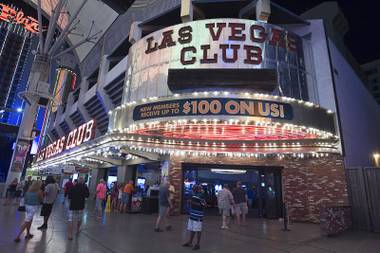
194	226
46	209
29	212
241	208
125	198
163	210
75	215
225	211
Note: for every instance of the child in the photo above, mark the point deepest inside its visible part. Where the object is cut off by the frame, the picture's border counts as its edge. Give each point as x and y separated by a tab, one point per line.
194	225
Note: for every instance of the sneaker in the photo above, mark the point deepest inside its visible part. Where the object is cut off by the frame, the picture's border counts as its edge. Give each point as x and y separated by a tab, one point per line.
196	247
187	245
158	230
42	227
168	228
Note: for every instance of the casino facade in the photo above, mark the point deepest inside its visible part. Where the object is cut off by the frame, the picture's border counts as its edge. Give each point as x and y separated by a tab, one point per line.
212	99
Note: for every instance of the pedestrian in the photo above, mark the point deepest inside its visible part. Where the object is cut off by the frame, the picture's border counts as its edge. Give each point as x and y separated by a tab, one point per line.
66	189
171	196
77	196
164	206
114	195
194	225
101	195
241	207
27	184
51	190
225	204
120	198
127	195
33	198
11	192
25	188
18	194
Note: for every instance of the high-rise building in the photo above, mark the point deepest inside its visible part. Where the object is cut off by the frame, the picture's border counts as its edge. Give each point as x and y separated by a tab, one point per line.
17	43
372	72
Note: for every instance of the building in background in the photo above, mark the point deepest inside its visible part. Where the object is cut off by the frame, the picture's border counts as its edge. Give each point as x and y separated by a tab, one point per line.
372	72
215	95
17	43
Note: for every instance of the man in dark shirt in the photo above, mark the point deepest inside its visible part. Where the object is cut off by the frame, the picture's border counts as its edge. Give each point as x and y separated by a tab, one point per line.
69	184
77	196
240	199
194	225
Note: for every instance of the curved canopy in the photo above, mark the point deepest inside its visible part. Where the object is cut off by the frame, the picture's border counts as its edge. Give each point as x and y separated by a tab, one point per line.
94	11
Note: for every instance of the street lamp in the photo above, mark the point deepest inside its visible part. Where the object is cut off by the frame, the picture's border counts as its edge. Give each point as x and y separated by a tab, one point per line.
376	158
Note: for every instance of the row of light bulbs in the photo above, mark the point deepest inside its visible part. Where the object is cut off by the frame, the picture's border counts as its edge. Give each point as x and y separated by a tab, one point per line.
223	93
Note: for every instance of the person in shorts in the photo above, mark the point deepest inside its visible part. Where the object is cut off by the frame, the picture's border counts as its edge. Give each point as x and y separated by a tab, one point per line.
225	203
164	204
240	199
194	225
127	195
51	190
77	196
32	198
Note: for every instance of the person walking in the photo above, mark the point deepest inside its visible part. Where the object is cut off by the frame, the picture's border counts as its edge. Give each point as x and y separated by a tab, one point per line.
114	195
32	198
101	195
18	194
120	198
194	225
11	192
241	207
225	203
127	195
164	206
27	184
66	189
51	190
25	189
77	196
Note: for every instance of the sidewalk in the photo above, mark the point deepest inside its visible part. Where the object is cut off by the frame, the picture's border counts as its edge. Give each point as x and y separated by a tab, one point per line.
134	233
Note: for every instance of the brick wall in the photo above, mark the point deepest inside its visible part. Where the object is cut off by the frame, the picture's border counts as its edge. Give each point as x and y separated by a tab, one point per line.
308	184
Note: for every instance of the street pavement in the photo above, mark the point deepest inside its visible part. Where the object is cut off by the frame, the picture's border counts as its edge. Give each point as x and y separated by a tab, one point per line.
134	233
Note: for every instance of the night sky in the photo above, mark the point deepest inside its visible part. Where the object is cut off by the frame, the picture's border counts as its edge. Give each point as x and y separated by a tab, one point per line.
363	19
362	16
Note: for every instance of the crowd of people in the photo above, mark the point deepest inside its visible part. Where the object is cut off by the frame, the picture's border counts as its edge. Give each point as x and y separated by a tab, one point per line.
35	193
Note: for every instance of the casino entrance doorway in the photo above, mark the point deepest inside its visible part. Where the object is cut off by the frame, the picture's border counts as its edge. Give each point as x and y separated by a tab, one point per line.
262	184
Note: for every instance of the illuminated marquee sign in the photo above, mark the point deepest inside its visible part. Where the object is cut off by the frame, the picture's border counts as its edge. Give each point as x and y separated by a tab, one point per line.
11	15
75	138
213	106
229	37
